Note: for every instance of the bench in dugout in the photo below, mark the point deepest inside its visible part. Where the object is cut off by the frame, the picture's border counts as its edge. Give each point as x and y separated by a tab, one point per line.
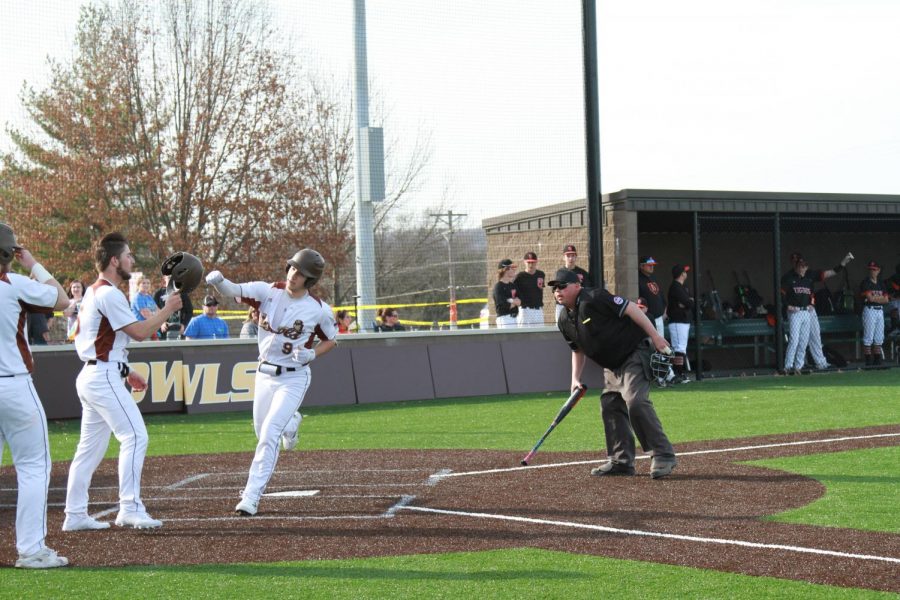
759	335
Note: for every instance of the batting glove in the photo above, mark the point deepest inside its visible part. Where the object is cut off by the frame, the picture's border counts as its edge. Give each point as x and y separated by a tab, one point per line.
847	259
304	356
214	278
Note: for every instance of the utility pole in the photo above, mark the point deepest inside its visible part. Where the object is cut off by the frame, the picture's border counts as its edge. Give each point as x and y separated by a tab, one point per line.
448	235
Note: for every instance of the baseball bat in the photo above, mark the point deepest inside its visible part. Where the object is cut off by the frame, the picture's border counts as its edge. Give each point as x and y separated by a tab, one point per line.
577	394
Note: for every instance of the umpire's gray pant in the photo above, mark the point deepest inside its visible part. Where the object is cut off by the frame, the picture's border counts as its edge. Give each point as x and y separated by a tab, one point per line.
625	406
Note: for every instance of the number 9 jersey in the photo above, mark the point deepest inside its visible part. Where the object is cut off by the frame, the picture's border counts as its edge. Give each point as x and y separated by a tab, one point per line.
286	323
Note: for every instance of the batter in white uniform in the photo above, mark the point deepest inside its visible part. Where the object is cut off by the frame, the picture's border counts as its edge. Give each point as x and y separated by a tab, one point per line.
290	321
23	423
105	323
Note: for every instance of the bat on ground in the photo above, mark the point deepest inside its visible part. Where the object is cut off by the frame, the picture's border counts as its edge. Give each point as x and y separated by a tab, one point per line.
577	394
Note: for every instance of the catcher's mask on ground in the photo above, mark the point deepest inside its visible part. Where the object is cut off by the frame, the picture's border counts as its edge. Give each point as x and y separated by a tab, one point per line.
659	365
185	272
308	263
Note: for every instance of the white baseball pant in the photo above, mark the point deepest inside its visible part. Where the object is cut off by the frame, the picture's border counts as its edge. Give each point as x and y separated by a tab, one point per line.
798	338
815	340
530	317
506	322
678	335
275	400
873	326
23	425
107	406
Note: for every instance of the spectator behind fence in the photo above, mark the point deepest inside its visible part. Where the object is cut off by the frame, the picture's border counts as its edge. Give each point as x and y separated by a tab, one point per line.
344	321
389	320
76	295
875	297
506	295
176	323
207	326
144	306
250	328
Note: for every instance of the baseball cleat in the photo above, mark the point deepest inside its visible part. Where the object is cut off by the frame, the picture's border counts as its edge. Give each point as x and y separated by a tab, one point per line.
662	466
42	559
246	508
83	523
610	469
137	520
291	434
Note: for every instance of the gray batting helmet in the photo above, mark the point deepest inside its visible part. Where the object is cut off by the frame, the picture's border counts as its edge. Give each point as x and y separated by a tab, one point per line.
8	244
659	365
309	263
185	272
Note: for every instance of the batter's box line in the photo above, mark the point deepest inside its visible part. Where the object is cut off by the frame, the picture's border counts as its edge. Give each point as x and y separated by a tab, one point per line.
274	518
656	534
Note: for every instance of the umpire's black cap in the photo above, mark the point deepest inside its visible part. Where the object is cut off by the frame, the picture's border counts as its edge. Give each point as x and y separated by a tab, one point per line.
564	276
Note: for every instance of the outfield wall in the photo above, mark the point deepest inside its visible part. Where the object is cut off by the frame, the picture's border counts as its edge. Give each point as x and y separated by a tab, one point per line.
218	375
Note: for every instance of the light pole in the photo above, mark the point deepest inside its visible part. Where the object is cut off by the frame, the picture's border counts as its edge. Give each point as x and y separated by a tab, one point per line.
448	235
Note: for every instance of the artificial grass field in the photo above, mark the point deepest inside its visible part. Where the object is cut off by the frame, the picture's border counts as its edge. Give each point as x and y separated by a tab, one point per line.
713	409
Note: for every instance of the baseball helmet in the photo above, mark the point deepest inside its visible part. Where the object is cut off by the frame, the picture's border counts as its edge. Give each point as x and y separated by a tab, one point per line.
8	244
309	263
185	272
659	365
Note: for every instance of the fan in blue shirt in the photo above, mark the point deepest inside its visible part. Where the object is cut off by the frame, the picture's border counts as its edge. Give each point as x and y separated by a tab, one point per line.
207	326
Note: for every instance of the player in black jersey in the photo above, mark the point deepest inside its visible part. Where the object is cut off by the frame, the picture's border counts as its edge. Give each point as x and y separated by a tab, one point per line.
506	295
875	297
530	284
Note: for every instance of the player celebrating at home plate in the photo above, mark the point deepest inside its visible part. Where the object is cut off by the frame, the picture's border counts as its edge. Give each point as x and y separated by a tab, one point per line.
290	320
105	324
23	423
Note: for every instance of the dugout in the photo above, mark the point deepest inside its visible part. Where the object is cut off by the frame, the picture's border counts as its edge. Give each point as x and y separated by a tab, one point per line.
728	238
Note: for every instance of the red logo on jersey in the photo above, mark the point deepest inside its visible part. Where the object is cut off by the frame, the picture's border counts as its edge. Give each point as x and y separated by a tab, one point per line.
540	281
654	289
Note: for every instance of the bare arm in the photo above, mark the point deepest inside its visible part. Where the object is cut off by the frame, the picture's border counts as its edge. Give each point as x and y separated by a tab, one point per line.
40	274
633	312
141	330
577	368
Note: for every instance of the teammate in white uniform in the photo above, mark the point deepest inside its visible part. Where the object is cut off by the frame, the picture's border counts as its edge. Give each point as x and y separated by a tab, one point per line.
290	320
105	323
23	423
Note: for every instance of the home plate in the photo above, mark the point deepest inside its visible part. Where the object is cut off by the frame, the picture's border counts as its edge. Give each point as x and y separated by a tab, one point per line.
292	494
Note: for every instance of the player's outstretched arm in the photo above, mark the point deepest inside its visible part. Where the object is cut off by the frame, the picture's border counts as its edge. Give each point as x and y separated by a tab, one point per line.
222	285
141	330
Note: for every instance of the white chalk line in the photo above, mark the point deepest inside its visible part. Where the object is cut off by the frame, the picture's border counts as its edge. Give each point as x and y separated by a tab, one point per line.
443	474
273	518
404	501
187	480
656	534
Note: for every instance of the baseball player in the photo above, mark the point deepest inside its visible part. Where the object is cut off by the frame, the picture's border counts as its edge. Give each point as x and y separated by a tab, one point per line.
506	295
893	285
681	310
290	320
530	284
570	255
23	424
616	334
803	323
875	298
653	301
105	324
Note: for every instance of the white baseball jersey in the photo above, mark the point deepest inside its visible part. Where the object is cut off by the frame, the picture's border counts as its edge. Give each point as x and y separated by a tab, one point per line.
285	322
104	312
18	296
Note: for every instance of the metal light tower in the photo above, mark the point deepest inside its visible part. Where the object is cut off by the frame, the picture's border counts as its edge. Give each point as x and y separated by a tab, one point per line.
369	173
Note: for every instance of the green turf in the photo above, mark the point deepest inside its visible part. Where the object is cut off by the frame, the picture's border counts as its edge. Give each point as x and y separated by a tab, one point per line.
520	573
713	409
863	488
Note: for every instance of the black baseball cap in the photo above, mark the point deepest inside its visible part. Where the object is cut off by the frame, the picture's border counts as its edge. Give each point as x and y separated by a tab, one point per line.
677	270
569	249
210	301
647	260
530	257
873	265
505	264
564	276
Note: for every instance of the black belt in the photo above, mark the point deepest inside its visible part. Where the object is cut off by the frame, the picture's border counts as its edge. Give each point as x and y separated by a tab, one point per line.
7	375
533	307
124	369
875	306
279	369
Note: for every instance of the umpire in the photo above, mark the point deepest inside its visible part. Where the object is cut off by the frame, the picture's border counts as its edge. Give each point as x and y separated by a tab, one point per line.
616	334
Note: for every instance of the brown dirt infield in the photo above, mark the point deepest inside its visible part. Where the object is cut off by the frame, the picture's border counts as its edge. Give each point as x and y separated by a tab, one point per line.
358	512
